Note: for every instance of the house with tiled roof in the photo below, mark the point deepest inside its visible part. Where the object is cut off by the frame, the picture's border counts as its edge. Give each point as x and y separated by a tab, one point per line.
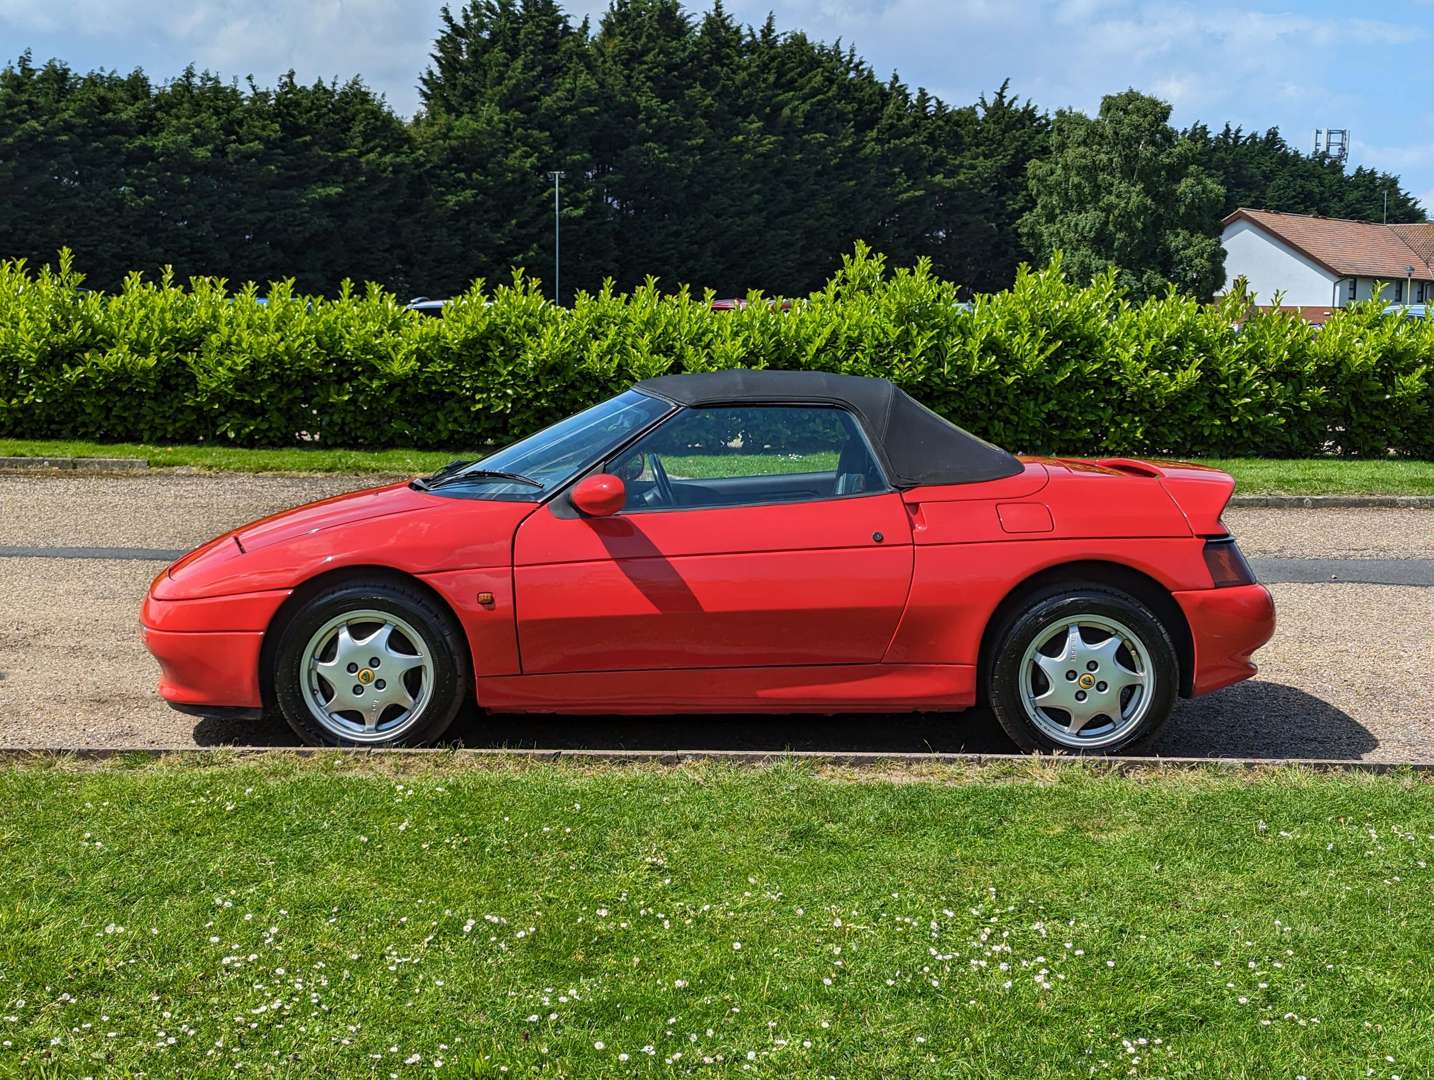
1321	263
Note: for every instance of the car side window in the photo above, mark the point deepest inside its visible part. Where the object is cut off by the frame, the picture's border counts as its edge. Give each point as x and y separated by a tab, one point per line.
748	455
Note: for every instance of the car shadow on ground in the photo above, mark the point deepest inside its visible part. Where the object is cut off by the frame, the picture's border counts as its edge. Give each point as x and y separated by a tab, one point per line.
1258	719
1253	719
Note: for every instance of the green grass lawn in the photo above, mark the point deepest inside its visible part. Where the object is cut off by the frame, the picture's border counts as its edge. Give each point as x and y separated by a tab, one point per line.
339	918
706	466
235	459
1327	476
1256	476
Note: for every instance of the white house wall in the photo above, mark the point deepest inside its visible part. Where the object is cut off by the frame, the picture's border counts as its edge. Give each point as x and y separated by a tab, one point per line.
1271	266
1420	291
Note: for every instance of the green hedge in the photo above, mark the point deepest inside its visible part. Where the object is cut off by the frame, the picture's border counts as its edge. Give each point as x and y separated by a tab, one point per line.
1045	366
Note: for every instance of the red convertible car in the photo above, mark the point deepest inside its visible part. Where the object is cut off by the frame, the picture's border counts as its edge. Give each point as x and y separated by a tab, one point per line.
741	541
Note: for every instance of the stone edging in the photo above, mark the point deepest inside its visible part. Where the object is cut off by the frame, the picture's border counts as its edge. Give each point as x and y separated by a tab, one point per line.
875	759
72	464
1332	502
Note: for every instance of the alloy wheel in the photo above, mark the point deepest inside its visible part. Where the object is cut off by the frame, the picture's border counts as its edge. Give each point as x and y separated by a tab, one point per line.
1086	681
367	676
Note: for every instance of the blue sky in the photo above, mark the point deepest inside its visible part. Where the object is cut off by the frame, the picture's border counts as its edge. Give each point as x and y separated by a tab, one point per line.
1297	66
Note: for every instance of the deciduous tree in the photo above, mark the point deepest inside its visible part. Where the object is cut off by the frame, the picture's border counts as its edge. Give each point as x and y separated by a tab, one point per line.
1124	190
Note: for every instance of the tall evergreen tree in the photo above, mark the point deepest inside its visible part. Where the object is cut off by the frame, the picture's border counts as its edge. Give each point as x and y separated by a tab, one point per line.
985	156
506	101
696	150
1262	171
199	174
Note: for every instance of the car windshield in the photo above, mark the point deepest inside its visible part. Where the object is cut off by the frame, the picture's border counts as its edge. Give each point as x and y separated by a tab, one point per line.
547	460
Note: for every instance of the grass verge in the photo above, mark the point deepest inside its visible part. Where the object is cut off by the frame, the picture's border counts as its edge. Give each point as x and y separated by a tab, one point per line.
1327	476
321	918
237	459
1256	476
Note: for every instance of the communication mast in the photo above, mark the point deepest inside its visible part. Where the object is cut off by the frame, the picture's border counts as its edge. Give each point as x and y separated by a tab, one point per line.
1332	143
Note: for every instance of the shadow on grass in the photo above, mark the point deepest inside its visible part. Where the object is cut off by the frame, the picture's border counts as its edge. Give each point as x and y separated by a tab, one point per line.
1253	719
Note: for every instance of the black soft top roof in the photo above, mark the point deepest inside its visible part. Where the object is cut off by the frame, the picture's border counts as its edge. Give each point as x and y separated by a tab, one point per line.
916	446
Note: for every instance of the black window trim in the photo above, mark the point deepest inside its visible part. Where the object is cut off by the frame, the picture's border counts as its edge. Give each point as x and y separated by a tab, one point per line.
885	489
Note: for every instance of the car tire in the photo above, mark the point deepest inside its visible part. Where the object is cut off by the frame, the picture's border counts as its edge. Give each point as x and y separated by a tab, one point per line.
406	655
1104	690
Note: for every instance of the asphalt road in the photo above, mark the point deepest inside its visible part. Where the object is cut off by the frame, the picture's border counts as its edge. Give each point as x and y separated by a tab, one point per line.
1344	678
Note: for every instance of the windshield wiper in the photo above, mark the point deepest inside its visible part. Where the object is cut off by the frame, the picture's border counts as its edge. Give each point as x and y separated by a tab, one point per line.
451	468
481	474
425	483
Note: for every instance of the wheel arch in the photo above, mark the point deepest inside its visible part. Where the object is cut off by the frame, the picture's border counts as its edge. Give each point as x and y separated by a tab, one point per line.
1093	572
327	580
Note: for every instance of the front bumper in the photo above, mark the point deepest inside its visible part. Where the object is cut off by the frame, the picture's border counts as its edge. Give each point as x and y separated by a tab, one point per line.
208	649
1226	627
220	669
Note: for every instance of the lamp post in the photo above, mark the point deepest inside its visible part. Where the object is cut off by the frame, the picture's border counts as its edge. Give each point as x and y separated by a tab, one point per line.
557	240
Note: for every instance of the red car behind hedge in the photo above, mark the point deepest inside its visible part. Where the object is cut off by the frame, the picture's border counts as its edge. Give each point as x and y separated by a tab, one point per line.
731	542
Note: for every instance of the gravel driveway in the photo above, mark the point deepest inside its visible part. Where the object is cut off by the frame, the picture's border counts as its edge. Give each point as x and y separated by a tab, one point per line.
1344	677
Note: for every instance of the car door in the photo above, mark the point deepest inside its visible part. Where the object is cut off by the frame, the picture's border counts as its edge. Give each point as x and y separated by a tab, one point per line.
751	536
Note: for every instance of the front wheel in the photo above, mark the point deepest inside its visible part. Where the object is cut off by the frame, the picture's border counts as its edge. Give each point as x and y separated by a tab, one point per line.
1083	669
371	663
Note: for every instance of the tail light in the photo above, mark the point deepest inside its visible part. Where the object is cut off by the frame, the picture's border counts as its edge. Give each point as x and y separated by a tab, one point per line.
1226	565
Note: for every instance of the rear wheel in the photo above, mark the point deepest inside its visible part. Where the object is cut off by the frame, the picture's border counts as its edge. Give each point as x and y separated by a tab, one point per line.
1083	669
370	663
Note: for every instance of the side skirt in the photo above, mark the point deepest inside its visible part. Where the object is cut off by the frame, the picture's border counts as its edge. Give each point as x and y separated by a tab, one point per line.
805	689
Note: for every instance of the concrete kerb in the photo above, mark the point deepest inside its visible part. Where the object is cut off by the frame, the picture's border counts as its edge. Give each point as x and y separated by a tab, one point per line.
751	758
73	464
1332	502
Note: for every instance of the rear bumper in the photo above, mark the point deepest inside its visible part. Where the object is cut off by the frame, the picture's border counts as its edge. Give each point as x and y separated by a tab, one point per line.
208	649
1226	627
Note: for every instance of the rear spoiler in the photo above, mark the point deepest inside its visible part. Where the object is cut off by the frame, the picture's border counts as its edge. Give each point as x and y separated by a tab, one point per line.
1201	493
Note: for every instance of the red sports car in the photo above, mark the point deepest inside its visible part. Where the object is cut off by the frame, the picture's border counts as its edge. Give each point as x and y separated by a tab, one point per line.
740	541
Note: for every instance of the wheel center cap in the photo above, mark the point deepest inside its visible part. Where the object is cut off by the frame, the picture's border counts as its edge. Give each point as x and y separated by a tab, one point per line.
365	676
1086	681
